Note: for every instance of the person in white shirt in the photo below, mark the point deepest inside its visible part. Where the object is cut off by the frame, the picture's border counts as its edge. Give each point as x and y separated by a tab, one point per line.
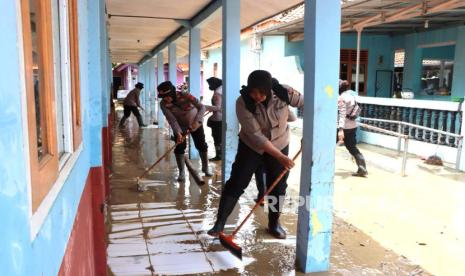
347	126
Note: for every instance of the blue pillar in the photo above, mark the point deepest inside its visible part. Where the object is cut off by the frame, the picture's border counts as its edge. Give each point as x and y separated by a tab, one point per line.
95	78
412	64
160	79
194	76
153	91
458	82
231	81
321	44
172	69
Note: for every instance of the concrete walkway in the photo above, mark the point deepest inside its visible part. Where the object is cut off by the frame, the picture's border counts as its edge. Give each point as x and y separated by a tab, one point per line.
162	230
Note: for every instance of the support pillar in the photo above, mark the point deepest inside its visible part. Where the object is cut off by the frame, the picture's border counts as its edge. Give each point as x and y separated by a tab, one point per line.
231	82
153	91
160	79
322	45
194	76
172	66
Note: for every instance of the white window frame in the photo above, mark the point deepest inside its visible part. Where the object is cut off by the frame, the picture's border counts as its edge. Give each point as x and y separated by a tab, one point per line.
63	76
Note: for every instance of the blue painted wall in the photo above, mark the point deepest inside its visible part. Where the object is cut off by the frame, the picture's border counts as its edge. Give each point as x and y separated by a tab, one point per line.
43	255
377	46
416	46
444	52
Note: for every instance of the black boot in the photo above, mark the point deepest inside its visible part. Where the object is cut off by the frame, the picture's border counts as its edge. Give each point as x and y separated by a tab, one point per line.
362	168
121	123
140	121
181	166
274	228
218	154
204	158
227	204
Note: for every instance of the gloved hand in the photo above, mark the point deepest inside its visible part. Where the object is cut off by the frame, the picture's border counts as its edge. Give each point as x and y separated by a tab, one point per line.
279	90
276	86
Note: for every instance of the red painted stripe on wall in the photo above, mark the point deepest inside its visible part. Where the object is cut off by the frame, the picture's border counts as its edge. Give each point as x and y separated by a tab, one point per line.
85	253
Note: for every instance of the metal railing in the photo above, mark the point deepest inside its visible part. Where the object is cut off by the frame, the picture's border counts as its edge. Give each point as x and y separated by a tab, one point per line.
400	136
401	125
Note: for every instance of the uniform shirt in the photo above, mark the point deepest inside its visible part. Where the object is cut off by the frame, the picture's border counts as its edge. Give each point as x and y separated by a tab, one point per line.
267	123
345	103
217	115
181	114
132	99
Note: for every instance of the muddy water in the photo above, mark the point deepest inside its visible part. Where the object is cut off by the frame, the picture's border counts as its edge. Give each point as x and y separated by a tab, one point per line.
162	230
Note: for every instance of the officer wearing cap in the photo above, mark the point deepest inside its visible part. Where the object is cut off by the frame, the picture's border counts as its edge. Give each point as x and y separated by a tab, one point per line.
184	112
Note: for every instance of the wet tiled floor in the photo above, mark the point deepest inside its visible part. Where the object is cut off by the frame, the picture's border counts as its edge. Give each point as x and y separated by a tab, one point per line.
162	229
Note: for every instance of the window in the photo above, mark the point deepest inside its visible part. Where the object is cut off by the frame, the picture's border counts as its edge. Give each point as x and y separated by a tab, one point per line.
436	77
348	68
52	91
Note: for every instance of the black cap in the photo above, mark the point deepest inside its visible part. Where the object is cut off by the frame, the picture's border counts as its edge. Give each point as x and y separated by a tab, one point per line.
165	88
261	80
214	83
139	85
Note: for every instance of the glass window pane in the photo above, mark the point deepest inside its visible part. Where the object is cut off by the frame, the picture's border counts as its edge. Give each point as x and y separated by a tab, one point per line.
36	74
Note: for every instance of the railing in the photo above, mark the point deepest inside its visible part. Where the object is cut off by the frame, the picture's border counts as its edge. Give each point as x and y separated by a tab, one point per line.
399	135
438	122
401	126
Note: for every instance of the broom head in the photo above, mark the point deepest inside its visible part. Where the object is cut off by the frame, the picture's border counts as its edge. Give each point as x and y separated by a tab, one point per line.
228	243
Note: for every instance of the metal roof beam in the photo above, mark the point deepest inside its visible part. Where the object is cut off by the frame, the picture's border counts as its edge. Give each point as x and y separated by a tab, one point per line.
402	14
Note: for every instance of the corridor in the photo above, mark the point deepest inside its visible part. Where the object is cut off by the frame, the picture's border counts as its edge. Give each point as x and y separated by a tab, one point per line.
162	230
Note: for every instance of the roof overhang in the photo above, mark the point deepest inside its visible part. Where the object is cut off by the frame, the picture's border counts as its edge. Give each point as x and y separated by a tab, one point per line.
139	29
382	17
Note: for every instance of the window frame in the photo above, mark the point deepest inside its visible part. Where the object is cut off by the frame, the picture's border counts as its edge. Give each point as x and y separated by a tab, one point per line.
49	170
44	172
73	36
349	57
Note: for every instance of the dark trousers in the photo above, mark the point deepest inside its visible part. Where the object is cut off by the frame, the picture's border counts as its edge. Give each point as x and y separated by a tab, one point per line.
260	180
245	165
127	112
199	141
216	131
350	141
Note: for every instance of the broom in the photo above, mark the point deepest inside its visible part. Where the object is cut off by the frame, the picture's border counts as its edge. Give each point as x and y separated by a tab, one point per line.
164	155
161	158
227	240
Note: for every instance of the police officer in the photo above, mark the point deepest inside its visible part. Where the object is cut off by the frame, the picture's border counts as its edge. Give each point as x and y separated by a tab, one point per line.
131	105
262	110
184	112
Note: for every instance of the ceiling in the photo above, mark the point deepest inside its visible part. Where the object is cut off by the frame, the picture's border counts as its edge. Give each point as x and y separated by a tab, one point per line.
136	27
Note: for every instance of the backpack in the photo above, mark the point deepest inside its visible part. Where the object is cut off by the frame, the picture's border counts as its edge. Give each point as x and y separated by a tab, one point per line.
355	112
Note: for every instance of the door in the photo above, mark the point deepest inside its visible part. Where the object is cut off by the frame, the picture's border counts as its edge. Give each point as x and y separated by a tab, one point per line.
383	84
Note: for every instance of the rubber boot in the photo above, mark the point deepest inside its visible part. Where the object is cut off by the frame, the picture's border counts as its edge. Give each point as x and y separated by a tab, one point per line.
121	123
274	228
227	204
218	154
181	165
204	158
274	212
362	169
140	121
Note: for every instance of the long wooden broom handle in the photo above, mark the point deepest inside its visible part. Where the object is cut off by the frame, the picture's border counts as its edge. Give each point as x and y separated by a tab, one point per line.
283	172
168	151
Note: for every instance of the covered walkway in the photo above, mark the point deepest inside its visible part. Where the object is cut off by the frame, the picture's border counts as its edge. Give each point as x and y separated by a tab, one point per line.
163	229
